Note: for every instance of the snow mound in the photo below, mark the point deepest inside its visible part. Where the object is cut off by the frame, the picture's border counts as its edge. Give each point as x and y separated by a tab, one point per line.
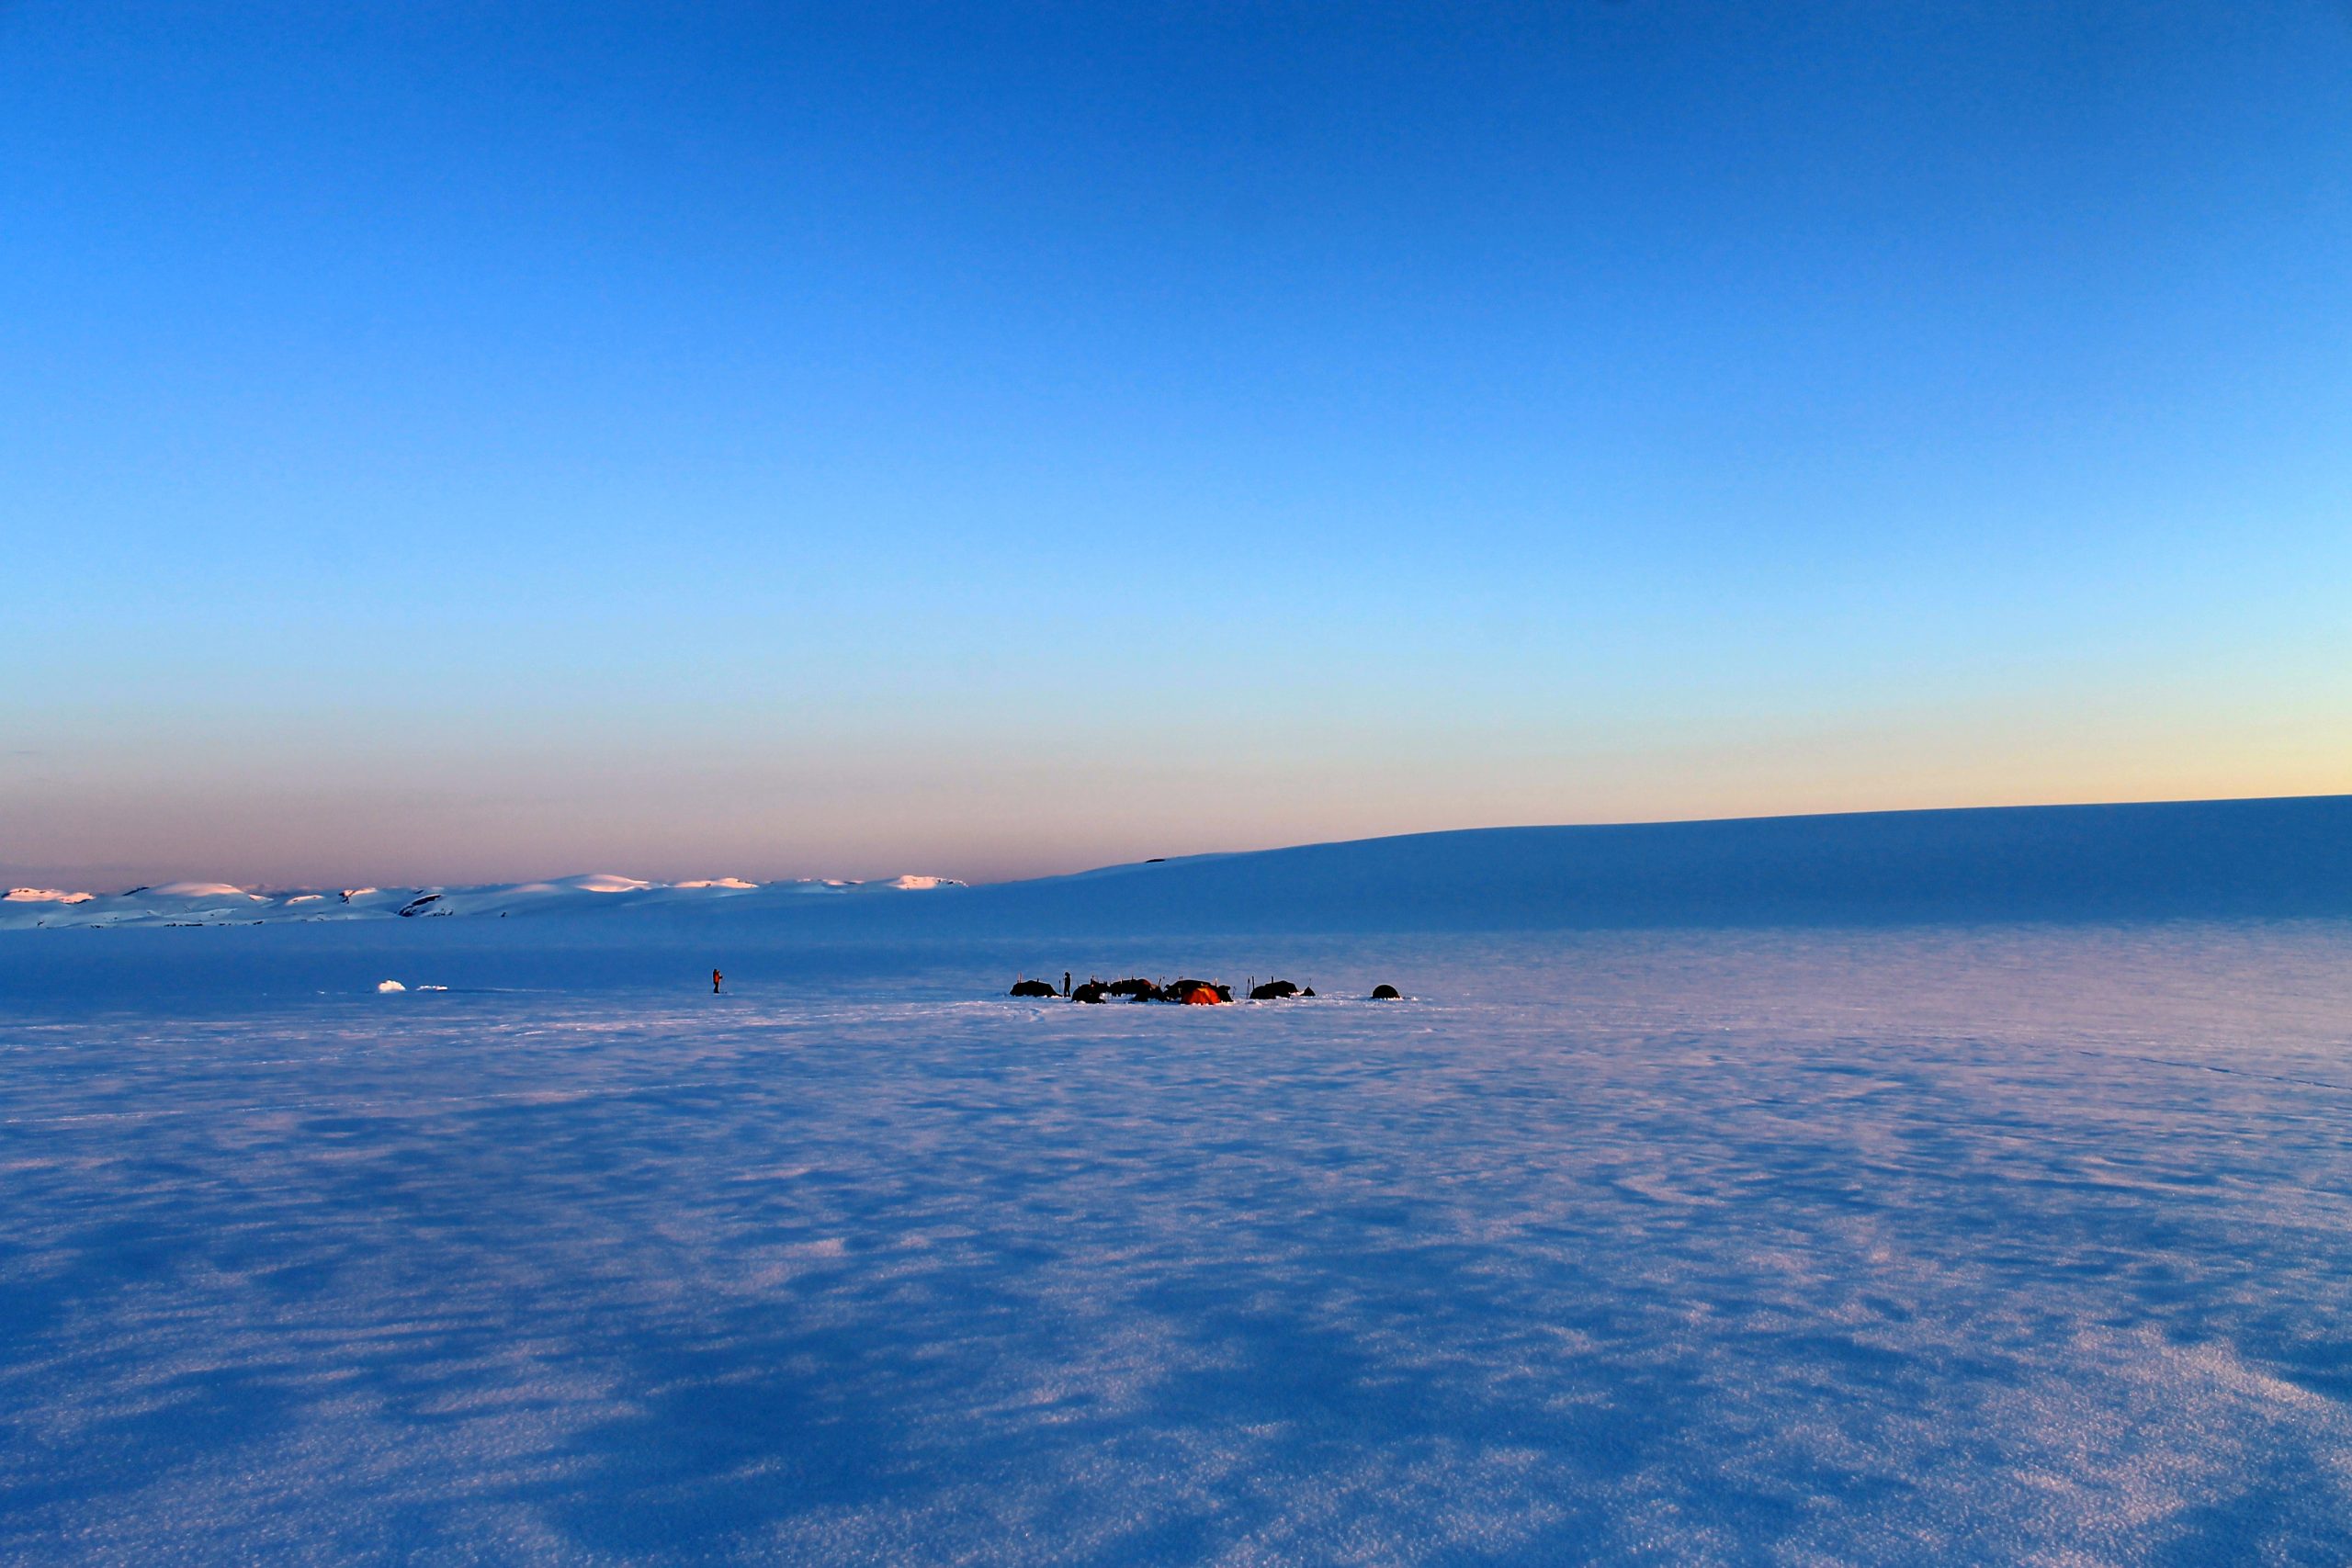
603	881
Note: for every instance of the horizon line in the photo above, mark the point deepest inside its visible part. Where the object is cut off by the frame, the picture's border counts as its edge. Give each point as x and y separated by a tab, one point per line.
351	884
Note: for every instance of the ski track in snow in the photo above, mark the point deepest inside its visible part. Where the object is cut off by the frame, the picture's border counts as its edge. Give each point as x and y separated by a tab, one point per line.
2026	1247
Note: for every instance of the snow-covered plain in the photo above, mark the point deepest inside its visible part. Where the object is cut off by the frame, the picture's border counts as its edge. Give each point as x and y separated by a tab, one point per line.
2024	1242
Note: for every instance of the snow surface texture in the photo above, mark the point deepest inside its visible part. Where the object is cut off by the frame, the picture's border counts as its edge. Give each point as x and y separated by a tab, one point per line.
2027	1244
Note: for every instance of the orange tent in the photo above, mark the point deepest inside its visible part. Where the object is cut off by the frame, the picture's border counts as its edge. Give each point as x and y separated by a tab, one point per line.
1201	996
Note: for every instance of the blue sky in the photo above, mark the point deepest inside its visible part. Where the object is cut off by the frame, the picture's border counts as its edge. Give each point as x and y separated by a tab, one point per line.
455	442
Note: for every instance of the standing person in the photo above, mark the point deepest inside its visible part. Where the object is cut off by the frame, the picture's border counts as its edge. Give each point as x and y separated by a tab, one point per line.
715	979
1064	982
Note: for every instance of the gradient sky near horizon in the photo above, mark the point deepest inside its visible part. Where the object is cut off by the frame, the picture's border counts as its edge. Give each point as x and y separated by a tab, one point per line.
452	442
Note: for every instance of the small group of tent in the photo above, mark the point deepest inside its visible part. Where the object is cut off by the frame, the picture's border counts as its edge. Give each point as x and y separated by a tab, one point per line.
1195	993
1190	993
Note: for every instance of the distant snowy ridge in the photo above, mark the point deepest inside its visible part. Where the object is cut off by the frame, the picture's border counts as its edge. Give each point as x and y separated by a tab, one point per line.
2185	859
2229	859
2192	859
220	903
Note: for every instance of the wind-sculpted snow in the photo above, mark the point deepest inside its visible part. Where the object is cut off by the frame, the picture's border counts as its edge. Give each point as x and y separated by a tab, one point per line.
1983	1247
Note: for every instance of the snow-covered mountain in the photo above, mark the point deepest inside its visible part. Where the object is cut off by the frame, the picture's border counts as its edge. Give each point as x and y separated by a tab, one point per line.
597	893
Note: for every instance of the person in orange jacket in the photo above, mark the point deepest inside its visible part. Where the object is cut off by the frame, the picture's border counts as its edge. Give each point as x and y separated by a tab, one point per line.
715	979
